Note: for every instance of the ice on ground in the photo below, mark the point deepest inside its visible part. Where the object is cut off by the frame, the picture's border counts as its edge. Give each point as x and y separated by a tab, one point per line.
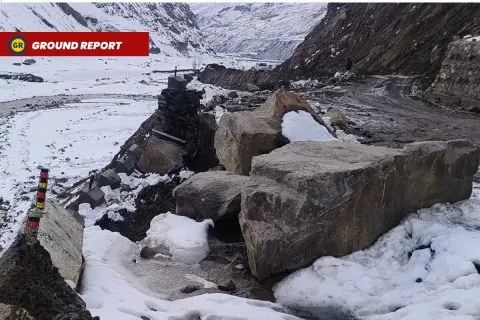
70	141
300	126
112	292
185	238
426	268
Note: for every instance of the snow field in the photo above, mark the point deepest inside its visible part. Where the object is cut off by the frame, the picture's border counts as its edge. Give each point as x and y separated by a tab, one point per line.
70	141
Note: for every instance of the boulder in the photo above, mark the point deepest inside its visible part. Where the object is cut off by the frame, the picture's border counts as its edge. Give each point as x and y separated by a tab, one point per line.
210	195
188	77
109	178
242	135
61	234
124	165
134	152
95	197
283	84
233	95
311	199
177	83
216	101
29	62
17	64
161	156
251	87
337	119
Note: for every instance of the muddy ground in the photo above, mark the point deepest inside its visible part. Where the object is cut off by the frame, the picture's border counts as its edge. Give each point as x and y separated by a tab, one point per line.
389	111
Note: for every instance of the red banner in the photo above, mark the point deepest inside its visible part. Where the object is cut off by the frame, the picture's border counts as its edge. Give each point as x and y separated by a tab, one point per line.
74	44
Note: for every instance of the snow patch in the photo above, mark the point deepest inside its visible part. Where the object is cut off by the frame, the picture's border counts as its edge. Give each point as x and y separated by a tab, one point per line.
425	268
300	126
219	112
185	238
113	293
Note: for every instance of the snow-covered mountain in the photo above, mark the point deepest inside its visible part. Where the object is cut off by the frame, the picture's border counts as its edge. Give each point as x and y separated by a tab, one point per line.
173	27
264	30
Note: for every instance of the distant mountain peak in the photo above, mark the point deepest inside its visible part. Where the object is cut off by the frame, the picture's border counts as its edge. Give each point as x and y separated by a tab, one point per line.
173	27
260	30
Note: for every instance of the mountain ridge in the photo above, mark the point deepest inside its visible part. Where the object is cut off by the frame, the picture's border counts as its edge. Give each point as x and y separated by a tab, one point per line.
173	27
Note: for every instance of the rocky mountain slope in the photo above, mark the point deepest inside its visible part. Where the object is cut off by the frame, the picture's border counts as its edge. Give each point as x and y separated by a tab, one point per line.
173	27
263	30
407	39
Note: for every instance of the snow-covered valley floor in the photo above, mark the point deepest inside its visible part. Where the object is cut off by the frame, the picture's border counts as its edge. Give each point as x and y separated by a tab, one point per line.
70	141
426	268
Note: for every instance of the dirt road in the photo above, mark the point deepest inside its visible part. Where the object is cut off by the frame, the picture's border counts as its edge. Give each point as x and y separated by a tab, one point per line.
387	111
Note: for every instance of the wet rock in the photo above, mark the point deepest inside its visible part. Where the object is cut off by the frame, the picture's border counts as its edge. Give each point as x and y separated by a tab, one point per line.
233	95
161	156
147	253
109	178
229	286
210	195
337	119
190	289
347	184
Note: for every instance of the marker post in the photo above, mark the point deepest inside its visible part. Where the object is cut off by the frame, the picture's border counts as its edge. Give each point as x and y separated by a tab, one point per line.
33	219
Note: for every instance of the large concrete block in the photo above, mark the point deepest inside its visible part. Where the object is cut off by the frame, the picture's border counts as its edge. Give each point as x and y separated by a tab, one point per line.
312	199
134	152
95	197
124	165
109	178
161	156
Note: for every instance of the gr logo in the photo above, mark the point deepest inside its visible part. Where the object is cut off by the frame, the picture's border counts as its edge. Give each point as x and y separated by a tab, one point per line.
17	45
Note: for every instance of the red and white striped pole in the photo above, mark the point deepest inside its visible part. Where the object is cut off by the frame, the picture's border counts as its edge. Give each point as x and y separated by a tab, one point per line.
33	219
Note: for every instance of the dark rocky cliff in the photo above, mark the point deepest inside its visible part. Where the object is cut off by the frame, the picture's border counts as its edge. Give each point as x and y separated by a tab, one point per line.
408	39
